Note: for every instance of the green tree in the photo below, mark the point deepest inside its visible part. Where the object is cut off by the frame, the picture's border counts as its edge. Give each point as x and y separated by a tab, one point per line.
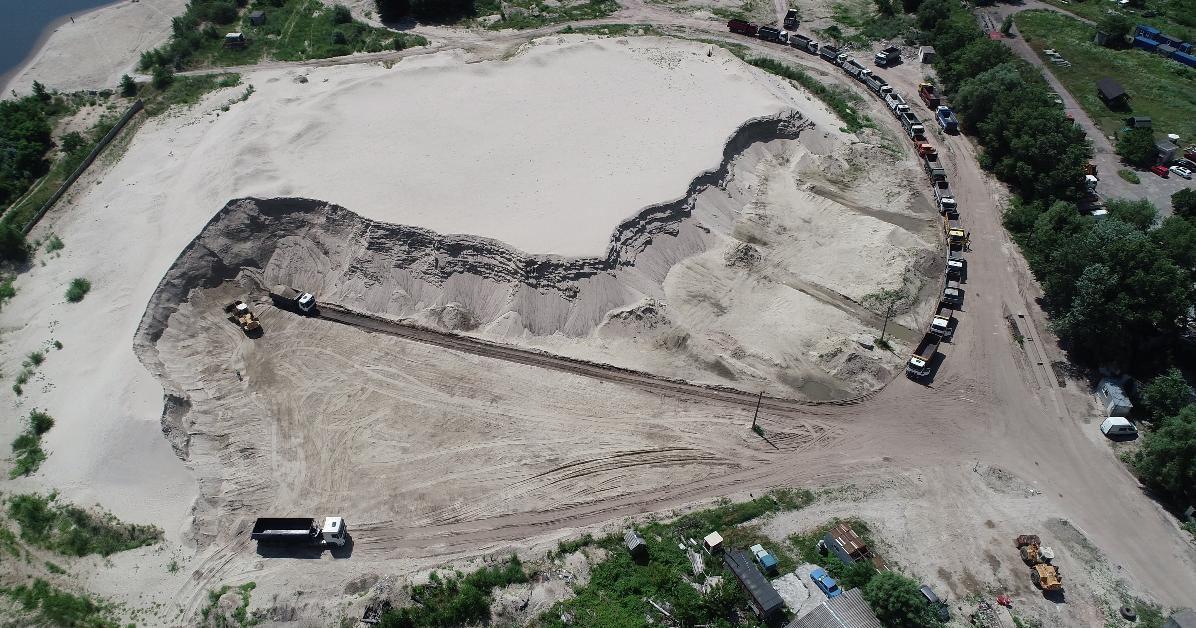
162	77
1176	238
1136	147
72	142
1116	26
885	7
13	246
1167	460
341	14
1007	25
1140	213
910	6
128	88
1183	203
897	603
857	575
1166	395
40	93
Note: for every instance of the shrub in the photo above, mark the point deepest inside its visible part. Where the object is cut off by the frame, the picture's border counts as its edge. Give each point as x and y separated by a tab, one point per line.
1136	146
78	289
341	14
13	246
1129	175
73	531
128	88
897	603
162	77
54	244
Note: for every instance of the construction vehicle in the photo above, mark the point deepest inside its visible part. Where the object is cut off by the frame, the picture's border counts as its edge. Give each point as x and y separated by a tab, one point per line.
887	57
1026	539
923	149
928	95
919	362
934	168
942	191
894	100
742	27
955	233
801	42
943	323
949	208
946	119
877	85
240	314
830	53
1046	577
952	295
957	266
769	33
790	21
913	126
1090	183
300	531
854	68
292	299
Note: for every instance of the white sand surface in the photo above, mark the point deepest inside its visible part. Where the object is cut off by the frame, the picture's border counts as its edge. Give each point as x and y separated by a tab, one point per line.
525	151
94	50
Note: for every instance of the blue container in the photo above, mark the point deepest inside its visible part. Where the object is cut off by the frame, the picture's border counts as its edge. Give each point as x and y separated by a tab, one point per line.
1145	43
1185	58
1185	47
1149	31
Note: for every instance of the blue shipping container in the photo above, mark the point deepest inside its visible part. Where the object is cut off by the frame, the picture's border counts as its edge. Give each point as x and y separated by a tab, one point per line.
1185	58
1143	42
1164	38
1185	47
1148	31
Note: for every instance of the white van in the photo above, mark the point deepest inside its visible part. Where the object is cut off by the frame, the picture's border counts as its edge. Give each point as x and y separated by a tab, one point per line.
1117	426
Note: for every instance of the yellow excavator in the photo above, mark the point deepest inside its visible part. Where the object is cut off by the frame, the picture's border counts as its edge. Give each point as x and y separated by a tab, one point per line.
240	314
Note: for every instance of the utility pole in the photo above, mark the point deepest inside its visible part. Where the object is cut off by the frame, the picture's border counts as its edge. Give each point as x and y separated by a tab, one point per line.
757	414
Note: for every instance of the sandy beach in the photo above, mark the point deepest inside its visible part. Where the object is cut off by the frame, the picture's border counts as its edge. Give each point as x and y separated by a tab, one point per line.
96	48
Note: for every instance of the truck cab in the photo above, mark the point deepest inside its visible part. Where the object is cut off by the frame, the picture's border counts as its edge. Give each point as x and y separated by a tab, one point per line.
790	21
943	323
952	295
333	531
949	208
957	266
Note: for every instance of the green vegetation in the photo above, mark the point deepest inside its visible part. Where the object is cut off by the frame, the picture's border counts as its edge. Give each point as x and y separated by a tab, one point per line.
1136	147
1159	88
455	600
1166	395
24	139
536	13
78	289
73	531
1170	16
866	22
897	603
841	101
54	244
7	291
1167	460
27	446
54	569
1129	175
239	616
55	607
185	90
294	30
613	30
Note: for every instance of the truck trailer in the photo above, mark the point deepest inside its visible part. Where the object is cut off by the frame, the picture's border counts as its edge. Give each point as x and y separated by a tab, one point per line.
952	295
769	33
928	95
742	27
830	53
934	167
801	42
919	362
887	57
300	531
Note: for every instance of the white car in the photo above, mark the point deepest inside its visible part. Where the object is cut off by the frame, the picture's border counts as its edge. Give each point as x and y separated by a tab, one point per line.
1181	171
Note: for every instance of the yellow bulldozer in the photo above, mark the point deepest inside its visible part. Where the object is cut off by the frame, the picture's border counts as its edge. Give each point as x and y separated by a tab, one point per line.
240	314
1046	577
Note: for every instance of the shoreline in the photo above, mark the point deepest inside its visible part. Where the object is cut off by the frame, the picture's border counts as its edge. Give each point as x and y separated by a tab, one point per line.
39	45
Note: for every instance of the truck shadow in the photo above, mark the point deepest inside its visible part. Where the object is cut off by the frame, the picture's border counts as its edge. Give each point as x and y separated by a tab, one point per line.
308	552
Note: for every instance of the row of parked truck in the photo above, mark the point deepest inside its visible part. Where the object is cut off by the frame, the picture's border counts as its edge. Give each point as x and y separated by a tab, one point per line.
942	326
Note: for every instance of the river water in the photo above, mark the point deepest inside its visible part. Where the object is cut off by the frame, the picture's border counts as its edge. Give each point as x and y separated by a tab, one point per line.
24	22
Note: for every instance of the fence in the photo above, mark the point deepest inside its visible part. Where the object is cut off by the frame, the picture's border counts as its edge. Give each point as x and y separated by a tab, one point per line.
91	157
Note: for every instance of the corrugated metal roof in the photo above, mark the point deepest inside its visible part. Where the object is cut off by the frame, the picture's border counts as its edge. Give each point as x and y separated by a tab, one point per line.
766	598
846	611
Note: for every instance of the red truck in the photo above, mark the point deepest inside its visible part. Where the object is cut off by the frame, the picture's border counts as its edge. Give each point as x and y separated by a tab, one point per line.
926	91
742	27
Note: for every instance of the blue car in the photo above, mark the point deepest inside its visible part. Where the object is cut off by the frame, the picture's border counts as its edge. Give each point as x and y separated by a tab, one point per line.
826	583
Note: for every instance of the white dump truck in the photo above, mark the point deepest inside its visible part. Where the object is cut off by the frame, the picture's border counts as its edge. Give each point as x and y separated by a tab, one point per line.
292	299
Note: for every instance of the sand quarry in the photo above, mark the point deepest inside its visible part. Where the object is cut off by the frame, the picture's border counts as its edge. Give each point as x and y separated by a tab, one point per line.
648	203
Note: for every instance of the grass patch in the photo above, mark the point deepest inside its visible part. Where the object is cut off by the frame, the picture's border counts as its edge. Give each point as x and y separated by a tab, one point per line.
240	614
27	446
73	531
456	599
78	289
54	244
840	101
185	90
521	14
54	569
614	30
621	591
7	291
1129	175
1174	17
1159	88
56	607
857	23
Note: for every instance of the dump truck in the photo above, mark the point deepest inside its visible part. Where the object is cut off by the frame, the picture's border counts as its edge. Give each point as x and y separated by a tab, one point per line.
946	119
887	57
952	295
742	27
853	68
943	323
830	53
928	95
876	84
300	531
1023	540
919	362
790	21
923	149
942	190
949	208
913	126
957	266
240	314
934	168
954	232
769	33
289	298
1046	577
893	100
801	42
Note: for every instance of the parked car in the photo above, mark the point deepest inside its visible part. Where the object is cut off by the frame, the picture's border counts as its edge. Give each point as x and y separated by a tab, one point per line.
1182	171
826	583
1116	426
941	609
1162	171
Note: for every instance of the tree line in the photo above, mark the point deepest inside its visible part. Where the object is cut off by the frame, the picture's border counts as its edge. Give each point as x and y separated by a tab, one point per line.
24	143
428	11
1118	290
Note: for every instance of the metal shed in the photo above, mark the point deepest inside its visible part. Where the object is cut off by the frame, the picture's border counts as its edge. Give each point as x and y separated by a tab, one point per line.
845	611
1110	91
764	599
926	54
635	543
1112	398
